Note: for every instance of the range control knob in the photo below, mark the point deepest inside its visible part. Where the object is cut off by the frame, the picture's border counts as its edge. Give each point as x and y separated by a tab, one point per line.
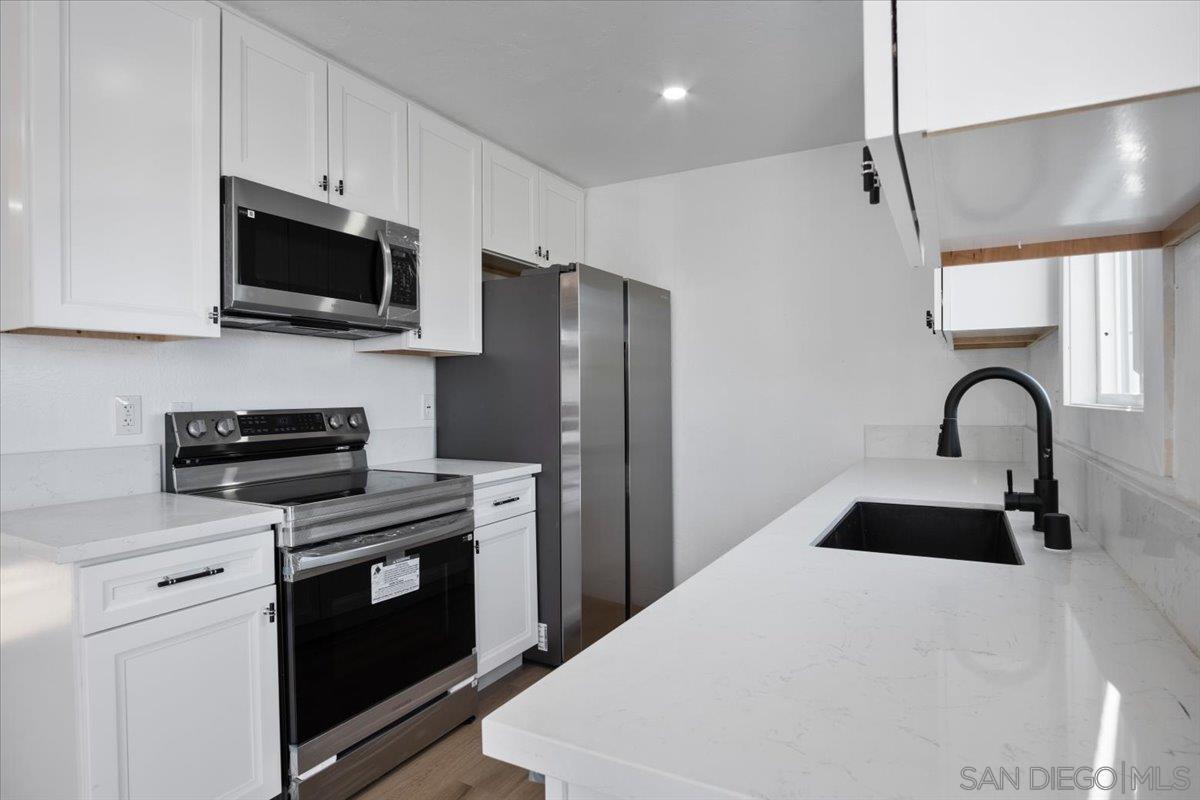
197	428
356	420
226	426
336	421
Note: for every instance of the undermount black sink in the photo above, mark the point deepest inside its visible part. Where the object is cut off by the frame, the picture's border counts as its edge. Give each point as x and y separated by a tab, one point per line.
967	534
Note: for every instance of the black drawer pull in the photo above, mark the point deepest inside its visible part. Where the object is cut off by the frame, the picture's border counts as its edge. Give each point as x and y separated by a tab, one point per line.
204	573
505	501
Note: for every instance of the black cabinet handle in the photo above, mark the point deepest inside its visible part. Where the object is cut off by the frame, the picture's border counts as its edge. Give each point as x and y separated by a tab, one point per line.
505	501
341	187
324	184
547	253
204	573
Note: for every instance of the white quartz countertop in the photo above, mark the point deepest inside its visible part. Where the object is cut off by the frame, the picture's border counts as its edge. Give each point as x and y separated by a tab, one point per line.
99	529
481	471
784	670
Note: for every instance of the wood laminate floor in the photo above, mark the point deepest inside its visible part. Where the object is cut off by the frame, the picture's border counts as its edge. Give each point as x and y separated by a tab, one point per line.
455	768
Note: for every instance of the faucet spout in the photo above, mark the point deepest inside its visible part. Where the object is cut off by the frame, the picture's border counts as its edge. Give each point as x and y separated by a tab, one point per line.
1043	501
948	441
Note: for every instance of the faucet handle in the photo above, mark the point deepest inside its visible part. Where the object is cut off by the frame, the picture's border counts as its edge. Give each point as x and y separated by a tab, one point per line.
1009	480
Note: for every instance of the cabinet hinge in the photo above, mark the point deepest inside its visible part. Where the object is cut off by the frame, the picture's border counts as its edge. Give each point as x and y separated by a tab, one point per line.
269	612
929	319
214	316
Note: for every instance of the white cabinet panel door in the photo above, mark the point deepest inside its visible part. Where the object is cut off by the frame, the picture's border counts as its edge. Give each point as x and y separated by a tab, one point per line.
368	147
562	220
446	193
185	704
274	125
505	590
125	114
510	205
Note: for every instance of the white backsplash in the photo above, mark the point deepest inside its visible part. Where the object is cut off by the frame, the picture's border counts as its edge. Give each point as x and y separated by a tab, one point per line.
979	442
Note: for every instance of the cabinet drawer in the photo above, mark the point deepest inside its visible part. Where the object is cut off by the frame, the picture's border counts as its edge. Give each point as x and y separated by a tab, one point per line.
125	591
503	501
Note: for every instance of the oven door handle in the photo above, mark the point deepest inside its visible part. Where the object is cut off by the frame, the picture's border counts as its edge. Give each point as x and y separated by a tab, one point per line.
385	297
301	564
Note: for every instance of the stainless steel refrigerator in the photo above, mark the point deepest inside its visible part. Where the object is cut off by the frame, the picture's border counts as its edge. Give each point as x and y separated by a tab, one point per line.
576	375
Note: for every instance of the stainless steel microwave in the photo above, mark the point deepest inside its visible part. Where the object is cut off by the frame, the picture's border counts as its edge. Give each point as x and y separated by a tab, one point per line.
292	264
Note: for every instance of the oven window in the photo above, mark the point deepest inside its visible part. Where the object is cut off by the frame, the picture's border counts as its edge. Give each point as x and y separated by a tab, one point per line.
346	654
279	253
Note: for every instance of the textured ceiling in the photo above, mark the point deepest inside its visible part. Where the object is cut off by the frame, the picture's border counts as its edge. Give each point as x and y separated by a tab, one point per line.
575	86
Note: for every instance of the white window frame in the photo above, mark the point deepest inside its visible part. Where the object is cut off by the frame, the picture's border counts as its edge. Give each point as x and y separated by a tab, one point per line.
1103	338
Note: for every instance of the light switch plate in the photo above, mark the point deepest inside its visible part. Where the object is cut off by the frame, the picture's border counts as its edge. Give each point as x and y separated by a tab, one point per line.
427	411
128	414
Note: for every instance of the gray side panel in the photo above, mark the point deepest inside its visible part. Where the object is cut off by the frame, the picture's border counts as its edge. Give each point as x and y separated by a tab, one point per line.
651	539
504	406
601	421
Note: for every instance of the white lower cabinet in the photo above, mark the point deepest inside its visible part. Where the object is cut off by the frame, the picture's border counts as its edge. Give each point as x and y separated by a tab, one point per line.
505	590
186	704
149	676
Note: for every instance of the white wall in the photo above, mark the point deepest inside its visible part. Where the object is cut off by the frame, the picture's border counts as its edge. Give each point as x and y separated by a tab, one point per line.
795	324
56	394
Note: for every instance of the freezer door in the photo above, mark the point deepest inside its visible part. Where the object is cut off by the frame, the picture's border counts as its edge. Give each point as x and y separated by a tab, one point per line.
593	455
648	358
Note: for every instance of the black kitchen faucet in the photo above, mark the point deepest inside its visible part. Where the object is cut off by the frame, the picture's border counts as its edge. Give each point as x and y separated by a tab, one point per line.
1043	500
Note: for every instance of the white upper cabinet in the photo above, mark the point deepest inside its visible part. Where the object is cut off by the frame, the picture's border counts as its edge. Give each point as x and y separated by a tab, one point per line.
510	191
368	147
964	64
529	214
274	99
112	192
561	220
445	204
1025	123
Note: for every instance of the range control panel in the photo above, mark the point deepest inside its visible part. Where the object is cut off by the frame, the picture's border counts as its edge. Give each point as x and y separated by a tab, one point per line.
275	424
206	432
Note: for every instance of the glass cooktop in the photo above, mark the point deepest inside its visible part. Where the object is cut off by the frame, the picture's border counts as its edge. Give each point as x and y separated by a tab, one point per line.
303	491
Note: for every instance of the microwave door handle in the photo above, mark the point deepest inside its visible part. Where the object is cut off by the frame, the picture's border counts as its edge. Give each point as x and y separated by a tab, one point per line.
385	297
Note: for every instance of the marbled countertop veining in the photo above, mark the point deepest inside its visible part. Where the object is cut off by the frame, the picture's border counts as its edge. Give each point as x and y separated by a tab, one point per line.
784	670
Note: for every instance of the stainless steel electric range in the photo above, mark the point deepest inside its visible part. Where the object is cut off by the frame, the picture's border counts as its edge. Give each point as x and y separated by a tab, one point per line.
376	584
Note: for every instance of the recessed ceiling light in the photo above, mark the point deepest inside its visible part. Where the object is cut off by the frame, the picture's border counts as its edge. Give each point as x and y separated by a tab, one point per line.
674	93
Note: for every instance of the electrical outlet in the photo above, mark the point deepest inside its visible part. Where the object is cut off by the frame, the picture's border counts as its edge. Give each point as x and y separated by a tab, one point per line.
128	410
427	406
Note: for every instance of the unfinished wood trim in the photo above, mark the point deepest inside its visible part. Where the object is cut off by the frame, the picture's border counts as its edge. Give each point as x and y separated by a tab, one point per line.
998	339
140	337
1150	240
1182	228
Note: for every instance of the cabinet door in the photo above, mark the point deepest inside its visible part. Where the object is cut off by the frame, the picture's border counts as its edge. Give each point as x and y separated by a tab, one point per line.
562	220
368	147
274	123
510	205
445	201
125	111
505	590
185	704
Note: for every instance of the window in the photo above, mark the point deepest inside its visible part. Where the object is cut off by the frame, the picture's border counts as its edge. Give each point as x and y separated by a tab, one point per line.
1103	343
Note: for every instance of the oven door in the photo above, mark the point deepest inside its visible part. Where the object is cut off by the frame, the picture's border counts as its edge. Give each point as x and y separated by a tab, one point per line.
291	257
375	627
